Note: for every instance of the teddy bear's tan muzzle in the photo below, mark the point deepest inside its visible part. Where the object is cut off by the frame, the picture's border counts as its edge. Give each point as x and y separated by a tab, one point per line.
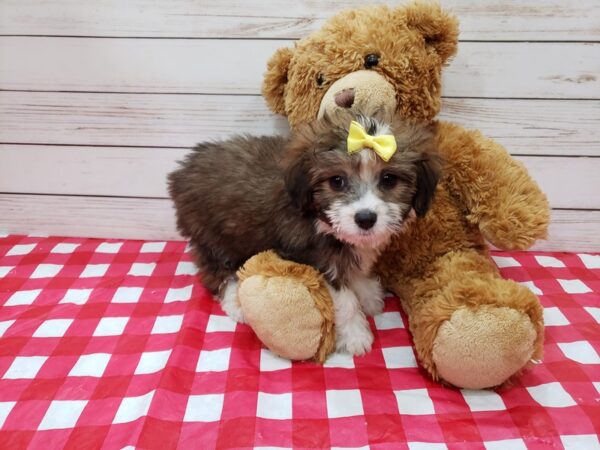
363	91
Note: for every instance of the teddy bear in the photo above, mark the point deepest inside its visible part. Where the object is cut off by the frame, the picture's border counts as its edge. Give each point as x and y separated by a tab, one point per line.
470	327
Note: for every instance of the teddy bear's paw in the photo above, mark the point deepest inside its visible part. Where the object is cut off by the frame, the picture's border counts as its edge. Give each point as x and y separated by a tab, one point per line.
370	295
354	337
483	348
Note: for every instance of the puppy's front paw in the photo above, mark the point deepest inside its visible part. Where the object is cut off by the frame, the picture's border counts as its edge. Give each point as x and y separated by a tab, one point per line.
233	311
370	295
229	302
355	338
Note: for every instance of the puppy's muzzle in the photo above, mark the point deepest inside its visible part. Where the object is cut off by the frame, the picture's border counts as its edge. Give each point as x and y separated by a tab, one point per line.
365	218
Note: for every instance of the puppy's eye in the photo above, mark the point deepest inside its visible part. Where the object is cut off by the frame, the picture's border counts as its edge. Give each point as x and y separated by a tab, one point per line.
338	183
388	181
320	80
371	60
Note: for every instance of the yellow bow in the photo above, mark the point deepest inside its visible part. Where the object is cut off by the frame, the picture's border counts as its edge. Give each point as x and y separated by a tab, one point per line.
384	145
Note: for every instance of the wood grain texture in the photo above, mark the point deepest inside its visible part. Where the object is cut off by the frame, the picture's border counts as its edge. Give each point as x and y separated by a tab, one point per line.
141	172
154	219
526	127
480	20
211	66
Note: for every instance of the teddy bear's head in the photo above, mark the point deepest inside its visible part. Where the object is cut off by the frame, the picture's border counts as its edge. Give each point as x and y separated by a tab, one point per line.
368	60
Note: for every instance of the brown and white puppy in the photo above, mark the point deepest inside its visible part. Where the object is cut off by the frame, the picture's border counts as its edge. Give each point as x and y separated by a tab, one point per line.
309	200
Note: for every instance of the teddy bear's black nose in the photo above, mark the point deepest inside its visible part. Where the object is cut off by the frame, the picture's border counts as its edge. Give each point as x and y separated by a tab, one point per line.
345	98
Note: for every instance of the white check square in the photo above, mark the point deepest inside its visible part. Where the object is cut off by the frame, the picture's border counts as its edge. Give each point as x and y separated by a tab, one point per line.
153	247
22	249
152	362
574	286
53	328
590	261
426	446
532	287
142	269
388	321
94	270
554	317
167	324
340	361
581	442
214	360
109	247
399	357
23	297
594	312
483	400
179	294
24	367
414	402
111	326
580	351
77	296
506	261
64	248
506	444
132	408
127	295
5	270
62	414
549	261
551	395
204	408
344	403
46	271
5	409
269	361
186	268
220	323
274	406
92	365
5	325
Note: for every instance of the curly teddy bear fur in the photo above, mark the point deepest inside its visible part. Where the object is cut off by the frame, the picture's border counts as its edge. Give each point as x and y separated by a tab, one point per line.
470	327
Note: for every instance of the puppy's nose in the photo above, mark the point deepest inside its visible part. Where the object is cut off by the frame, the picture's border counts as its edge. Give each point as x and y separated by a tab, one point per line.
365	218
345	98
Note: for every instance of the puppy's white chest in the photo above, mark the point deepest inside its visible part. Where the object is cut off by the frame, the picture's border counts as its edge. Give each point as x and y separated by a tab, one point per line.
367	259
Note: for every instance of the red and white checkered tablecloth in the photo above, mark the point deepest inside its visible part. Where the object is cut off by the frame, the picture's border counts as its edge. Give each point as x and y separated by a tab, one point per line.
115	344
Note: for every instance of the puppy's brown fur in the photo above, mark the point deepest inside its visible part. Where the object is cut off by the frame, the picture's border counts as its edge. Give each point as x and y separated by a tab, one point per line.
238	197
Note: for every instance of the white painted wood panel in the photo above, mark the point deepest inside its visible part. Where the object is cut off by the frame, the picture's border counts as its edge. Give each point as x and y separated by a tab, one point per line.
129	218
569	182
480	20
526	127
481	69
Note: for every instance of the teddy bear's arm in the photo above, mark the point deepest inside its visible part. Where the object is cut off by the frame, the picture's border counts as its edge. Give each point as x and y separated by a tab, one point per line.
496	190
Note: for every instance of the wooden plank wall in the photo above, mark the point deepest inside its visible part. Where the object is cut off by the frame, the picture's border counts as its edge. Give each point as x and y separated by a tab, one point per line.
99	98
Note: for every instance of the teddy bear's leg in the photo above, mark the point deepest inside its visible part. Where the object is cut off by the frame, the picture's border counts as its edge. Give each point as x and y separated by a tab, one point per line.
288	306
470	327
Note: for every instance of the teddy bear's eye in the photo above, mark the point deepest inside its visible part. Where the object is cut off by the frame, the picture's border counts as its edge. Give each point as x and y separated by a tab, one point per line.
371	60
320	80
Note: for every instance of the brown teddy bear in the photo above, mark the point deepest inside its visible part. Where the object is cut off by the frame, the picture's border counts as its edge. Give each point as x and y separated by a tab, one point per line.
470	327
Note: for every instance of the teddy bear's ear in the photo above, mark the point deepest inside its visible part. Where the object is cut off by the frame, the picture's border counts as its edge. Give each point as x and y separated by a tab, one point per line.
439	28
276	78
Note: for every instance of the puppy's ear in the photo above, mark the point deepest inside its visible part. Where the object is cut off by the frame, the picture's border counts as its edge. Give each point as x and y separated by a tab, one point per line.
297	182
428	175
276	78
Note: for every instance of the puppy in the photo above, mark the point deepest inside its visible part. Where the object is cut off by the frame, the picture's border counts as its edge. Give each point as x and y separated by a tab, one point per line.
311	201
